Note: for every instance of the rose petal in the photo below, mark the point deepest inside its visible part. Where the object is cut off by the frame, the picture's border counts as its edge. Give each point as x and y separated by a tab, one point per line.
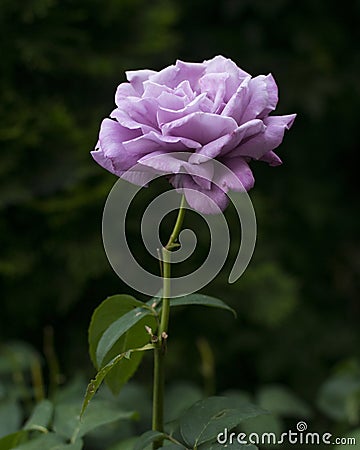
256	147
137	78
243	133
214	85
190	72
219	64
169	163
112	135
254	98
211	150
141	110
213	201
173	75
273	97
243	179
140	175
184	89
110	152
154	90
125	90
154	141
272	159
238	101
201	127
170	102
261	98
201	102
163	162
225	144
126	121
103	161
202	174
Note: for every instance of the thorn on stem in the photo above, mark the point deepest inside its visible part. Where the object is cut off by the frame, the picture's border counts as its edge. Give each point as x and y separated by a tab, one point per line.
153	337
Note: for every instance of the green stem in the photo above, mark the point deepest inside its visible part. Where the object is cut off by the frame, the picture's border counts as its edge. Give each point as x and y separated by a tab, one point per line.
159	353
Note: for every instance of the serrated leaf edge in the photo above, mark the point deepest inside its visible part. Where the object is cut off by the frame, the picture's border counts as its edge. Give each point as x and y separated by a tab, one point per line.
95	383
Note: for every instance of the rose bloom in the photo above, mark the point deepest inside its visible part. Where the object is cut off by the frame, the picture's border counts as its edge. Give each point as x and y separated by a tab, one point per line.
210	110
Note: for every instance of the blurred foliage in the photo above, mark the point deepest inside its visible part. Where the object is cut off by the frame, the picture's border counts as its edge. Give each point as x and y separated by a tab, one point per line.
298	302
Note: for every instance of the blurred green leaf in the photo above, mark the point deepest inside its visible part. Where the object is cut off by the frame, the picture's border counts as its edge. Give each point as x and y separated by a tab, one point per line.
172	446
104	315
127	444
111	320
201	300
178	398
10	417
73	390
271	294
118	325
264	424
49	441
94	384
339	397
78	445
207	418
240	396
11	440
40	417
281	401
68	424
147	438
15	356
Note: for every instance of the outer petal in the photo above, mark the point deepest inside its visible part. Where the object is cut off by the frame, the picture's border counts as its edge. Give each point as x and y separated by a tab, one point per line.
262	97
254	98
214	85
238	101
140	175
137	78
257	146
154	90
174	163
199	104
226	143
154	141
125	90
200	127
272	159
211	150
184	89
122	116
172	76
171	102
163	162
273	96
102	160
112	136
110	152
141	110
243	133
219	64
243	174
213	201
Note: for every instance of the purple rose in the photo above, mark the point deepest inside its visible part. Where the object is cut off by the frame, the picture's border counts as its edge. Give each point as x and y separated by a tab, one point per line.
210	110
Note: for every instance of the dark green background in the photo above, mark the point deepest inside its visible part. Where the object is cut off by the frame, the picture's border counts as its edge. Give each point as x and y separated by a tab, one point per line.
298	303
